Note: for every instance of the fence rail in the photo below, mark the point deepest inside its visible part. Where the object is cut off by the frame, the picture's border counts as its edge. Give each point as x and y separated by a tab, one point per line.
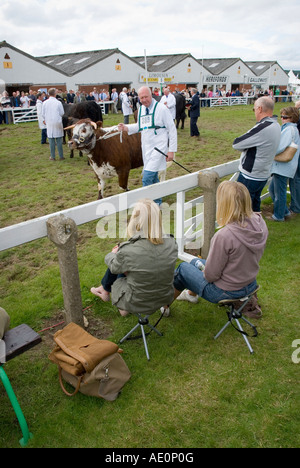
186	229
21	115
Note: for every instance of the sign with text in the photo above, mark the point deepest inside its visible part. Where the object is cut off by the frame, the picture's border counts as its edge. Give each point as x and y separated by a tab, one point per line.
213	79
157	77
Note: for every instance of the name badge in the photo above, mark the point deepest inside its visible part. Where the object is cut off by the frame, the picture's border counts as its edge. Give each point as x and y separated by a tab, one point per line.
146	121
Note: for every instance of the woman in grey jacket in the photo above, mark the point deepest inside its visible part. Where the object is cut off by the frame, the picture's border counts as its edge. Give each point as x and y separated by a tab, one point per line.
235	250
140	271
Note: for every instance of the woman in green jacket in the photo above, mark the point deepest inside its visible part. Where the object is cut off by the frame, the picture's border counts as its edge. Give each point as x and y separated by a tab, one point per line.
140	273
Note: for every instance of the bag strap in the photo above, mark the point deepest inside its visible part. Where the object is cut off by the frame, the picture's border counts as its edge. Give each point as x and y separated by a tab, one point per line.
231	315
62	385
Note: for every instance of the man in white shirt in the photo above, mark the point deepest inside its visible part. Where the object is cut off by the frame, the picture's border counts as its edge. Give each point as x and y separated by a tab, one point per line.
39	107
168	99
114	97
126	105
52	112
158	130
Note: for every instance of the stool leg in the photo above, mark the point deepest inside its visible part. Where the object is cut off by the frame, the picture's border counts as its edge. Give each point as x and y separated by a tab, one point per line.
145	342
222	329
244	336
129	333
15	404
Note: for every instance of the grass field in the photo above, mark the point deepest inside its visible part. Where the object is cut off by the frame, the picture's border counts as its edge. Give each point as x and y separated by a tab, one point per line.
194	392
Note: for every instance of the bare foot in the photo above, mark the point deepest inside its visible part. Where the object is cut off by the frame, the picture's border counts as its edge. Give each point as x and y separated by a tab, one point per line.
100	292
123	312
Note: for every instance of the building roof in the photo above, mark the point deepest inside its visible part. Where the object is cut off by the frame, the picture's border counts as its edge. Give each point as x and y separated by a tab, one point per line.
216	66
36	59
73	63
259	68
161	63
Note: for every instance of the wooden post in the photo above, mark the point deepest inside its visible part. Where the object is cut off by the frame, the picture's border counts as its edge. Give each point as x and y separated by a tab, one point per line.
63	232
208	181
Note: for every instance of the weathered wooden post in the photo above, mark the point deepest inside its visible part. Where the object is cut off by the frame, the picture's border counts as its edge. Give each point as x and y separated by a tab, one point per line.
63	232
208	181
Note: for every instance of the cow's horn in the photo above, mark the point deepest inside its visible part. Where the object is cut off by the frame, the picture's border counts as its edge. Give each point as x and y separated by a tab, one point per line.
70	126
94	125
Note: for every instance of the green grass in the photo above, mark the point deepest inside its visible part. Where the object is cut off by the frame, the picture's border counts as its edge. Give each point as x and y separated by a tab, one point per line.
194	392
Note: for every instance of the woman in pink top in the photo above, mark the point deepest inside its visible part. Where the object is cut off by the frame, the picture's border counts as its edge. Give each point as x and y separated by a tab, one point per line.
232	264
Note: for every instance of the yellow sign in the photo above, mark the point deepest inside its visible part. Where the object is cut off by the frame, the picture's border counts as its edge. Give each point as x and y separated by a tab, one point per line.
118	67
7	64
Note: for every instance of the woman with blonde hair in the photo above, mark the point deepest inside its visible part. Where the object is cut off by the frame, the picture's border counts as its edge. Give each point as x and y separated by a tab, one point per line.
232	263
140	273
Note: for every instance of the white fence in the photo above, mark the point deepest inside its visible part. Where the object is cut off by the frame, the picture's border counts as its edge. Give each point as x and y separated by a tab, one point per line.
187	229
22	114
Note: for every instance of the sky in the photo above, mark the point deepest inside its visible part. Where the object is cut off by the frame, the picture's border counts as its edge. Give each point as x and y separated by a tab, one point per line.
257	30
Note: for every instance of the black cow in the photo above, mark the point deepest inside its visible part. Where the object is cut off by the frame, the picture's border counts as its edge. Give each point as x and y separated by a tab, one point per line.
180	108
82	110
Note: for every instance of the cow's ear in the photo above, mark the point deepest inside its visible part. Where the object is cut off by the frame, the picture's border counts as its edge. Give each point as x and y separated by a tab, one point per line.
99	123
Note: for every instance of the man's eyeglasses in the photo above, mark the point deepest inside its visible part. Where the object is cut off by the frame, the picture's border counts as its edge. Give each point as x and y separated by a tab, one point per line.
284	117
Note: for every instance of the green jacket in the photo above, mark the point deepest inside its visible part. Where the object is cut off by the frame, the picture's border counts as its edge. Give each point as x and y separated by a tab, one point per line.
149	268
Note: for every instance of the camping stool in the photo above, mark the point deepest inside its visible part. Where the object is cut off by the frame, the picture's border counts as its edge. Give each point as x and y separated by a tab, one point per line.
16	341
143	321
237	314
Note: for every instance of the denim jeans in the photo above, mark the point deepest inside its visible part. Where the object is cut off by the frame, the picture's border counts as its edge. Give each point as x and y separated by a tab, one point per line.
188	276
255	188
295	190
149	178
277	191
43	136
59	143
108	279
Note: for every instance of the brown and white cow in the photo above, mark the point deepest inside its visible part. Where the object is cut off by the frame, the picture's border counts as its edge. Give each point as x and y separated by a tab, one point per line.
110	153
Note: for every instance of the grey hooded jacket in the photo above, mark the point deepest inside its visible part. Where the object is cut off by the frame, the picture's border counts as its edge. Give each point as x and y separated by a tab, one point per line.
258	146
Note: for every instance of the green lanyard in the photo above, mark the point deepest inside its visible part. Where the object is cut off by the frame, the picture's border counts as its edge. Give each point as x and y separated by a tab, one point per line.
146	122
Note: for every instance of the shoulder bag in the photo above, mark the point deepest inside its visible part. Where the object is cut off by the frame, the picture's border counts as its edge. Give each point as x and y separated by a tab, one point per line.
93	367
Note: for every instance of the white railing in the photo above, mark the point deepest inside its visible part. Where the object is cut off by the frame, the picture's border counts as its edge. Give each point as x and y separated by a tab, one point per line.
22	114
186	230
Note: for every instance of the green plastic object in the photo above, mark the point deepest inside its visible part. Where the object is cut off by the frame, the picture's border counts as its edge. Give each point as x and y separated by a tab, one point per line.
15	404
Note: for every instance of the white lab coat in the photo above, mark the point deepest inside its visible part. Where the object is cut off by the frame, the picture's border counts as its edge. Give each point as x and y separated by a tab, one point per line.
164	139
126	109
52	112
39	107
171	103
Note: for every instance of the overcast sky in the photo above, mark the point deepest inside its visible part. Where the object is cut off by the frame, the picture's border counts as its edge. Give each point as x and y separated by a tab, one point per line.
254	30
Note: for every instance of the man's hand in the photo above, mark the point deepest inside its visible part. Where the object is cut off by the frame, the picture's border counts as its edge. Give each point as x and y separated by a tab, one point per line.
122	127
170	156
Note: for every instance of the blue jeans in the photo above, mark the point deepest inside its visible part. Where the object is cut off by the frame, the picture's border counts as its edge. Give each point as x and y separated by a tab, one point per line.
295	191
277	191
108	279
188	276
149	178
255	188
59	143
43	136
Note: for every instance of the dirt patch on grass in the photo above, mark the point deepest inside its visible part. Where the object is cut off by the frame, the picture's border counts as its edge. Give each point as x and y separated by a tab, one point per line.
96	326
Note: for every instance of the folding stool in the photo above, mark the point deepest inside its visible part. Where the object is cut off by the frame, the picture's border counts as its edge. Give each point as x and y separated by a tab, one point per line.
142	322
236	315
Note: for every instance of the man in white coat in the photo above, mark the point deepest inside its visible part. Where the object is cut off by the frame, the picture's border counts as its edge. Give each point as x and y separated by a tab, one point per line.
126	105
52	112
158	130
168	99
39	107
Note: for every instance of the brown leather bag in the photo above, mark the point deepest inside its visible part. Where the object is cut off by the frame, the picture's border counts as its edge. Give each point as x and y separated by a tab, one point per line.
92	366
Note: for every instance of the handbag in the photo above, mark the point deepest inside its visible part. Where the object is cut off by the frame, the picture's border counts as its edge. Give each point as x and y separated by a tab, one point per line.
288	154
93	367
